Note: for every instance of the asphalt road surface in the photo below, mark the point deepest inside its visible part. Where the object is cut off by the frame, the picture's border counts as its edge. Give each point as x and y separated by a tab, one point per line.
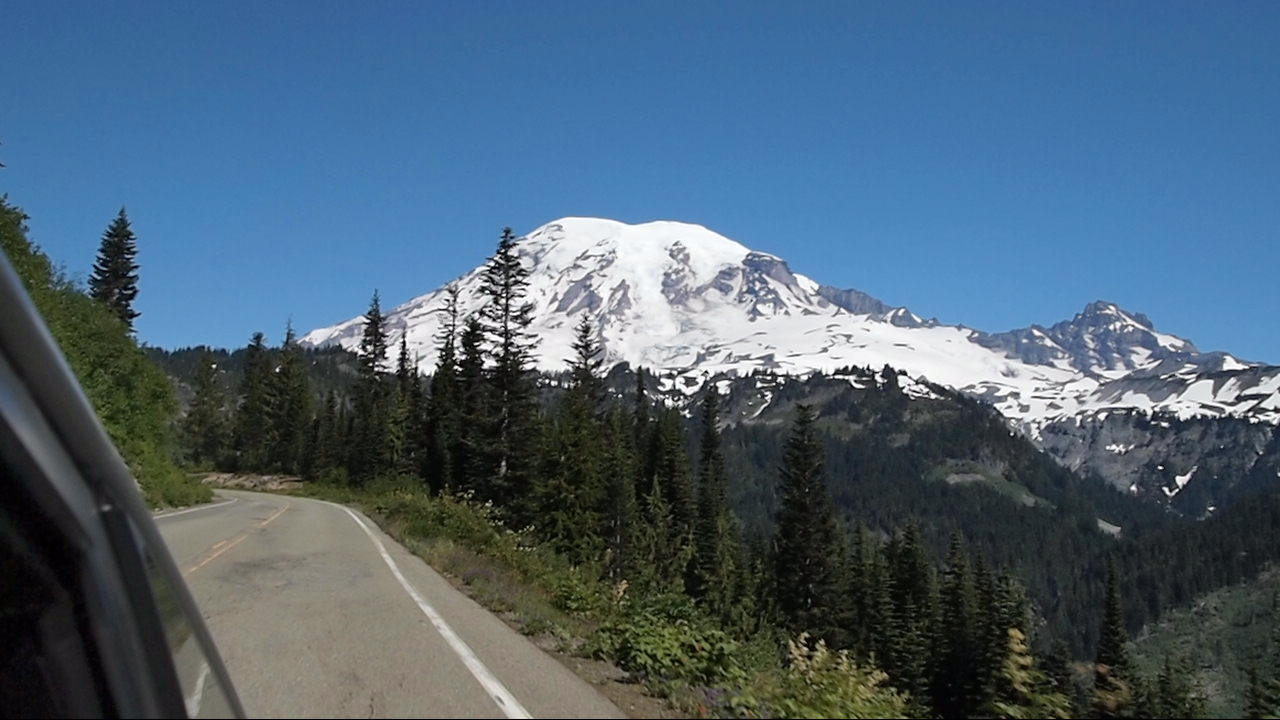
318	613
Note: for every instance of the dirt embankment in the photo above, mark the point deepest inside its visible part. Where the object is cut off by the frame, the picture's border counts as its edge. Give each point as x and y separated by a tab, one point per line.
237	481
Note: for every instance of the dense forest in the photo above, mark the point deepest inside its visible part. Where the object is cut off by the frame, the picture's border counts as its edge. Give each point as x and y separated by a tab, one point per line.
916	534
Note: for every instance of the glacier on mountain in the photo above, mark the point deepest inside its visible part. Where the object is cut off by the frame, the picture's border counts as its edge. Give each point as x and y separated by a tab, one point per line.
692	305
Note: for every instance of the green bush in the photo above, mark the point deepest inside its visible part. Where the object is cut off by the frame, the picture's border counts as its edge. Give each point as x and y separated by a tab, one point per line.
819	683
666	641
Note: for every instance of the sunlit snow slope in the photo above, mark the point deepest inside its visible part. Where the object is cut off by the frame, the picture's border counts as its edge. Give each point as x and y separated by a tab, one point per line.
690	303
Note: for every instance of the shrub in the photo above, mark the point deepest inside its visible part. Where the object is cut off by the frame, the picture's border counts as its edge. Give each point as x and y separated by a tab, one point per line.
656	643
820	683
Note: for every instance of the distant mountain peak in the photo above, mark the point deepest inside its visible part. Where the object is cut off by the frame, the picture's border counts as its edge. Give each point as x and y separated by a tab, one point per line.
692	304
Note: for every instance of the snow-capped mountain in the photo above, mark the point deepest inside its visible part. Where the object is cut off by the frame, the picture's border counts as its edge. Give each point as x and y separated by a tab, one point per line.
692	304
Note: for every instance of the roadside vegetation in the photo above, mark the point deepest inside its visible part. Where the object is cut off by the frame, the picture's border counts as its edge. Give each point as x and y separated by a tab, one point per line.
93	326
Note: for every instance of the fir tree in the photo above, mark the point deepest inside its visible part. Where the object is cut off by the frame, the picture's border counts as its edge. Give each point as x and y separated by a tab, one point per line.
713	541
324	438
471	456
254	430
622	512
114	281
291	410
1113	686
956	690
443	408
397	447
807	545
506	317
205	425
1021	688
570	498
371	411
662	553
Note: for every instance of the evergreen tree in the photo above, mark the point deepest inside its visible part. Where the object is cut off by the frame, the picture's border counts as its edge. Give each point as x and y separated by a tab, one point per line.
471	456
254	429
807	544
714	541
114	281
1022	691
371	412
325	438
662	553
622	512
914	605
205	425
291	411
396	447
570	497
506	317
1113	686
443	407
672	470
956	690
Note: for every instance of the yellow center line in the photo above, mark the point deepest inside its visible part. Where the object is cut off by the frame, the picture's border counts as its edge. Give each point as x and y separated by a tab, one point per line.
225	545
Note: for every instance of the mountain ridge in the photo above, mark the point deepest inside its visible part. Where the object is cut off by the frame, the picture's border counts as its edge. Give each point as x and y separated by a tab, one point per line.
692	304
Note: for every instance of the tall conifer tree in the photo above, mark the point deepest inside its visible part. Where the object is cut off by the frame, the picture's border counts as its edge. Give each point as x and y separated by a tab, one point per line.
254	430
205	425
371	411
291	410
443	407
807	545
114	281
506	316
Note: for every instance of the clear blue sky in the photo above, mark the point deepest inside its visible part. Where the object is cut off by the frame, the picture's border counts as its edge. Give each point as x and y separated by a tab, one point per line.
995	164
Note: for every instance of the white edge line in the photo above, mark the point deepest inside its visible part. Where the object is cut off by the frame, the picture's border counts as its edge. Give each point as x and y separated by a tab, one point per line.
193	702
198	507
506	701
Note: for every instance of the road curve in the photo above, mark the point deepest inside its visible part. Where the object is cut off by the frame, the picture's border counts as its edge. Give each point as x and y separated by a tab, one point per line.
318	613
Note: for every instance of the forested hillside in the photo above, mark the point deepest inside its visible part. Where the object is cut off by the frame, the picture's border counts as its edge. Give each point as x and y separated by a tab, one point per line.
134	398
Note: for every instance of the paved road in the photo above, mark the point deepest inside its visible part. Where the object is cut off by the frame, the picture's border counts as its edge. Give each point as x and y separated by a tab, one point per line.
317	613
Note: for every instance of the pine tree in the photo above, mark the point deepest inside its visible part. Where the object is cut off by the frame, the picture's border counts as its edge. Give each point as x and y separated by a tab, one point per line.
807	544
371	411
397	449
1021	688
443	407
254	430
205	425
1113	683
662	553
471	455
570	496
714	541
291	411
955	688
622	511
324	438
114	281
670	460
506	317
